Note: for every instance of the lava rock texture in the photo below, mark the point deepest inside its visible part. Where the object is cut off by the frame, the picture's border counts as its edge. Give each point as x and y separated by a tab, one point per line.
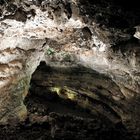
101	35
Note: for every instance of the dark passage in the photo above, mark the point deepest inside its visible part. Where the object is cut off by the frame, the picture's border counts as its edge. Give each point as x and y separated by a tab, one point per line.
62	117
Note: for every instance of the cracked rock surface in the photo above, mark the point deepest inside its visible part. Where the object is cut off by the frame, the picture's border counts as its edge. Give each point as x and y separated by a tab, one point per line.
102	35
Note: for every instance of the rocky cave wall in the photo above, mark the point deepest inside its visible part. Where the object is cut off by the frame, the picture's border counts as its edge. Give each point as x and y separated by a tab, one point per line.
100	35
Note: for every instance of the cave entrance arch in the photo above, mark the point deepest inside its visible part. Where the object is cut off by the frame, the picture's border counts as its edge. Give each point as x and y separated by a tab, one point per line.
71	90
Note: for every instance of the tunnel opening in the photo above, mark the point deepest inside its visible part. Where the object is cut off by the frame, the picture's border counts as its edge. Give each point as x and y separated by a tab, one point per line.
75	99
52	96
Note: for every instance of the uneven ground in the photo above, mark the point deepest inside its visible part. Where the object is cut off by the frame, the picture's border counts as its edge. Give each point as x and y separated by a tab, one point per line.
45	123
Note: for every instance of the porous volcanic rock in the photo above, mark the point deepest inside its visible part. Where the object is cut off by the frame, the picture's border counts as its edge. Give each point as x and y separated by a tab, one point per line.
101	35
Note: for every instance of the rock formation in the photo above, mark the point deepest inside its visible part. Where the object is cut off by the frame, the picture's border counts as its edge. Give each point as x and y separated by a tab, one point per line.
102	35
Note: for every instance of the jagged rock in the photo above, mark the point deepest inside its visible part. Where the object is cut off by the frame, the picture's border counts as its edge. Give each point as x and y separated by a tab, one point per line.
137	33
16	56
98	35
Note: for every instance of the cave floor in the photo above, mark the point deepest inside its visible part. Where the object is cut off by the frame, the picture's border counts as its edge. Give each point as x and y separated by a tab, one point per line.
55	118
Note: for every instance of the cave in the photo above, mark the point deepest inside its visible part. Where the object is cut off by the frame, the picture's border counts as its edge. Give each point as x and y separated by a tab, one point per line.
69	69
74	98
79	86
